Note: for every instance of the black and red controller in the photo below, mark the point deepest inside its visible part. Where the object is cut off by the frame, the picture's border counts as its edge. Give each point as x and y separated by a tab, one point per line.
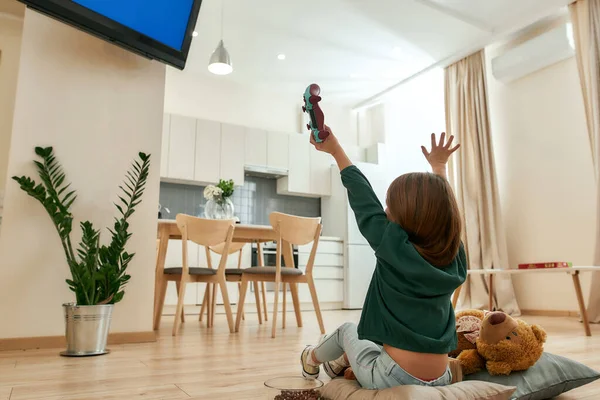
317	118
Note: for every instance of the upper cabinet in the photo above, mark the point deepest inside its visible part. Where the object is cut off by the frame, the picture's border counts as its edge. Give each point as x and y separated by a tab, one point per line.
233	148
207	151
278	150
182	140
256	147
201	152
298	179
320	172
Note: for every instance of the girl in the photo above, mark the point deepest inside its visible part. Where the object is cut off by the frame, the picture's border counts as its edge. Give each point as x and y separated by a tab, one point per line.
407	325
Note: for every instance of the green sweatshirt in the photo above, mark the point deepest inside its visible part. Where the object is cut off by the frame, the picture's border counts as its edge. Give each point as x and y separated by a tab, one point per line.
408	303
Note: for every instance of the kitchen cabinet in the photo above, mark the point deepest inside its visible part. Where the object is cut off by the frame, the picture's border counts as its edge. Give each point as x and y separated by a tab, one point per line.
309	172
207	152
278	150
320	173
256	147
298	179
182	141
164	146
233	146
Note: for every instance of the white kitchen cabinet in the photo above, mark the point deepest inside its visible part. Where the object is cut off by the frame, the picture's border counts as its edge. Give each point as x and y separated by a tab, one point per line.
182	141
207	151
256	147
278	150
233	146
298	179
320	173
164	147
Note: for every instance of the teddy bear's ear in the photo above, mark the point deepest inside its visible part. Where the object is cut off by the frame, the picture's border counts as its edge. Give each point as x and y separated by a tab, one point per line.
539	332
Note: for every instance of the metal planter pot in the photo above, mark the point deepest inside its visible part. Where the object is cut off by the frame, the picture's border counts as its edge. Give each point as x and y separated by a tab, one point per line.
86	329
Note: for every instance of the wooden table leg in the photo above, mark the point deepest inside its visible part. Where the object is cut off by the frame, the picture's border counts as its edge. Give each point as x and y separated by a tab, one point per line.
261	263
288	258
491	290
163	236
582	310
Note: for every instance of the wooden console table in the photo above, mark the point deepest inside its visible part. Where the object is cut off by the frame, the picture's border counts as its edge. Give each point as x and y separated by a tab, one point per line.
573	271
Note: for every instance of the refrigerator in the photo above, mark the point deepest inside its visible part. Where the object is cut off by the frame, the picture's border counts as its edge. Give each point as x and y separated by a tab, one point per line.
339	220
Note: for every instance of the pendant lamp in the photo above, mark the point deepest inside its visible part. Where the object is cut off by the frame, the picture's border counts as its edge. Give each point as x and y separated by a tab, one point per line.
220	62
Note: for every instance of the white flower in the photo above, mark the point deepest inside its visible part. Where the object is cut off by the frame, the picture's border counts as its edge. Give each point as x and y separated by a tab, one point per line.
212	192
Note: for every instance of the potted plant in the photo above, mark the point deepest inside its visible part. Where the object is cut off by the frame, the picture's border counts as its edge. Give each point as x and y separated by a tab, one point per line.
98	272
218	204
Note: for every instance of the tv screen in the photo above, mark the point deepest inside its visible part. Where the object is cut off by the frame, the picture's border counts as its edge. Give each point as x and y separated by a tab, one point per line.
157	29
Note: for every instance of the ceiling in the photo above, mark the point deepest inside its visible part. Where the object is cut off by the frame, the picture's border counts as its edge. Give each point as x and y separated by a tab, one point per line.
352	48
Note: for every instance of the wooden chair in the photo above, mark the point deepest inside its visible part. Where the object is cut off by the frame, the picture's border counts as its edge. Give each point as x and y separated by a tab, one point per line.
291	230
231	275
207	233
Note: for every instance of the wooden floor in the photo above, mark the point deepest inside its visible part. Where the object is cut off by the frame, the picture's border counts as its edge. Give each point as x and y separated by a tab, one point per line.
212	364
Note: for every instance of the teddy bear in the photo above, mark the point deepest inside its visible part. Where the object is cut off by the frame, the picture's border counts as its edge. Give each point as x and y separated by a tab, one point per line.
497	342
494	341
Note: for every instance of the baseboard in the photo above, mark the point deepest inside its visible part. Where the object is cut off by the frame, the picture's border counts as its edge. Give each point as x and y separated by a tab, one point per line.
551	313
55	342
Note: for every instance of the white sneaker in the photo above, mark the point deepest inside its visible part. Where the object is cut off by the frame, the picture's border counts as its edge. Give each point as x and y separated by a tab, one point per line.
309	371
335	368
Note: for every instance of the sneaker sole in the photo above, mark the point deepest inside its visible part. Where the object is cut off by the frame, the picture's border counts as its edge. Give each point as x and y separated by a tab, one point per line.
305	374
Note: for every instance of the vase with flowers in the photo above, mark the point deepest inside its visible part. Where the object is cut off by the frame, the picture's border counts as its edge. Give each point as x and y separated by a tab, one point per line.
218	201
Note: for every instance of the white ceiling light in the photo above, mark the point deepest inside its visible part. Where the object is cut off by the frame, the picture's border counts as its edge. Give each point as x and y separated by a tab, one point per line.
220	62
194	34
281	57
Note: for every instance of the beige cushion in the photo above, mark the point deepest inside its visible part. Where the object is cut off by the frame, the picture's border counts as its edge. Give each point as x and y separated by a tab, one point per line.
343	389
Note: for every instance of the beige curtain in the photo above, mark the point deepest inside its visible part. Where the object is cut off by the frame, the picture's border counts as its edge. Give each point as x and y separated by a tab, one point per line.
473	175
585	17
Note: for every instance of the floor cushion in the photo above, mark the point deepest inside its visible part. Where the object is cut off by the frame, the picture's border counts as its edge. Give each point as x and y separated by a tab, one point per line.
548	378
343	389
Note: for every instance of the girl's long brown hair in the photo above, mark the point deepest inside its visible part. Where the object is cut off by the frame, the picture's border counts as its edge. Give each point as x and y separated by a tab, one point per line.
424	205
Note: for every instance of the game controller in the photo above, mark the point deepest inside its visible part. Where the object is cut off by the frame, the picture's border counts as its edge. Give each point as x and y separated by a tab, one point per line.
317	118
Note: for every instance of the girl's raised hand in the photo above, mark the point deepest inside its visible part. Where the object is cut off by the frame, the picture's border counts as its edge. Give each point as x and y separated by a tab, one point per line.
329	145
440	152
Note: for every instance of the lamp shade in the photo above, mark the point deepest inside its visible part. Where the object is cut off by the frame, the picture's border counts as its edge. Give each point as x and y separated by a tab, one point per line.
220	62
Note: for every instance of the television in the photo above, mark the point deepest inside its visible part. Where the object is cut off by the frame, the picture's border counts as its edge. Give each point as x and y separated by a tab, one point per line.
156	29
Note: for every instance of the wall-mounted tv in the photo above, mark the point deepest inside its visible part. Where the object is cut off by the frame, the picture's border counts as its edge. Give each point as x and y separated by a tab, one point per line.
157	29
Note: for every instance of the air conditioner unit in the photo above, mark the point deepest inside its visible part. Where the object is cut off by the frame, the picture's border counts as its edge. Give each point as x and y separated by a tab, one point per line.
540	52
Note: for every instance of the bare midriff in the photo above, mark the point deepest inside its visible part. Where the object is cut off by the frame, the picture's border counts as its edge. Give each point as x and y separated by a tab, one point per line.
424	366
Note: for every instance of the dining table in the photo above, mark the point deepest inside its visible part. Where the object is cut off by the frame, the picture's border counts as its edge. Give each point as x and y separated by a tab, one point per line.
243	233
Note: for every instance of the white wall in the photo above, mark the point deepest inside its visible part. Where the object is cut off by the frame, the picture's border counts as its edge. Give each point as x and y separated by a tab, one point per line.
222	99
413	113
11	30
98	105
545	178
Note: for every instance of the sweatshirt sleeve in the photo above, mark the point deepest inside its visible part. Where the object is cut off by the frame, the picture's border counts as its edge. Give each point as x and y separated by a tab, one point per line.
370	215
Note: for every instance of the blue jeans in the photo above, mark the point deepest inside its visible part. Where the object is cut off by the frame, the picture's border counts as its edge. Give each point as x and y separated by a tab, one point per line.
372	366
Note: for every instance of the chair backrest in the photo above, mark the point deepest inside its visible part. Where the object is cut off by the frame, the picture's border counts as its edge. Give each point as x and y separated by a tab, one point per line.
295	230
233	248
219	248
207	233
